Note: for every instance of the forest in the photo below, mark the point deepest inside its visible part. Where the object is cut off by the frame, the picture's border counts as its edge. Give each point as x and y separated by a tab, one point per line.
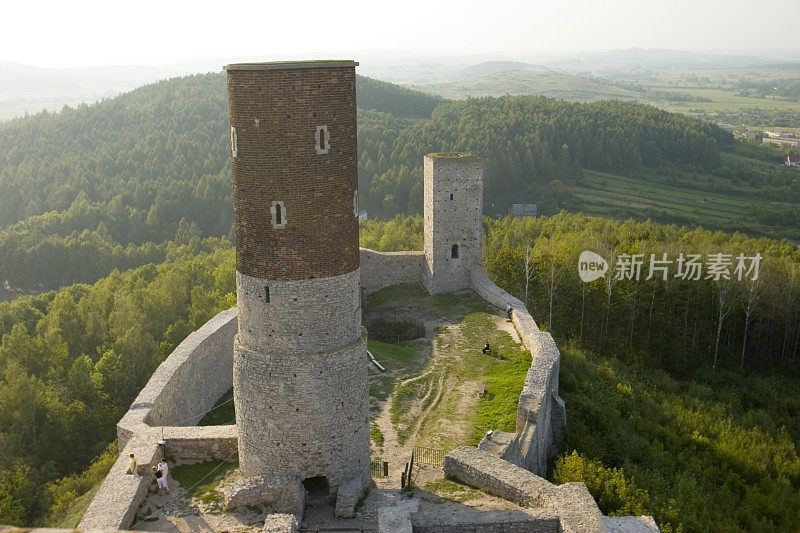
126	206
72	361
90	188
680	392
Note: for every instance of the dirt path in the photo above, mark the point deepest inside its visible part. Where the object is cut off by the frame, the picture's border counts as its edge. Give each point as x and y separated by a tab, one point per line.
506	325
394	453
176	512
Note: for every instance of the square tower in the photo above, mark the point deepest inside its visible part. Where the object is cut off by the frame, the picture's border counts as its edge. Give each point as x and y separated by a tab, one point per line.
453	209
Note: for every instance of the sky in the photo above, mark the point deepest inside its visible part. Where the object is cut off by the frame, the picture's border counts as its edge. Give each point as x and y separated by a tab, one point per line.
147	32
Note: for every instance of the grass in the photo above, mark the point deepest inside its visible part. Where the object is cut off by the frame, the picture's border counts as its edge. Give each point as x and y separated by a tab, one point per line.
400	360
222	413
201	479
376	435
440	407
453	490
417	296
74	514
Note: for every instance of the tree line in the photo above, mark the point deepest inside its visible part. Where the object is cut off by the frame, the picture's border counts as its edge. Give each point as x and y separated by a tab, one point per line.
72	361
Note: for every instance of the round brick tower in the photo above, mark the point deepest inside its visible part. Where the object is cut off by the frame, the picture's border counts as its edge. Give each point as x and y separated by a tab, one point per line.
300	363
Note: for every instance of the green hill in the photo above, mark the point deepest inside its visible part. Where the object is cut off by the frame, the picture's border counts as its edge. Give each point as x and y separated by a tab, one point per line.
543	83
87	190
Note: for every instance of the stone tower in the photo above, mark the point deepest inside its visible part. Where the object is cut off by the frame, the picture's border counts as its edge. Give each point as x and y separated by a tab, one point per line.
300	363
453	210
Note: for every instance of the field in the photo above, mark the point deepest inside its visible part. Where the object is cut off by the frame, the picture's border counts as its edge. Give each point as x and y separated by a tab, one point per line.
716	94
682	198
712	94
544	83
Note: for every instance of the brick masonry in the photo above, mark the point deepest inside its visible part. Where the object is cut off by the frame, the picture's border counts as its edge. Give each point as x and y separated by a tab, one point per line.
275	113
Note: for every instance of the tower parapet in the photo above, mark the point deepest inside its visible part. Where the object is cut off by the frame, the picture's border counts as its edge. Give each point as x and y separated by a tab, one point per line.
300	364
453	212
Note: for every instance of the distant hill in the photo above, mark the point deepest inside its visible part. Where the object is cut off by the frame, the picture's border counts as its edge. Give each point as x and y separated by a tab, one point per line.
667	58
490	67
394	99
520	82
149	148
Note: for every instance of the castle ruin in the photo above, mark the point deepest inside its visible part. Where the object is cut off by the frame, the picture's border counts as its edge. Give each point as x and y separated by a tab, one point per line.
294	349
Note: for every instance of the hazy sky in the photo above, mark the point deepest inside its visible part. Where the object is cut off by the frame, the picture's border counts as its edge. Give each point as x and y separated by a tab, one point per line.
87	32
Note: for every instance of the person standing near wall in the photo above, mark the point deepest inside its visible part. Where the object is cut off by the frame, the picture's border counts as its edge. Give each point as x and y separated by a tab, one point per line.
161	479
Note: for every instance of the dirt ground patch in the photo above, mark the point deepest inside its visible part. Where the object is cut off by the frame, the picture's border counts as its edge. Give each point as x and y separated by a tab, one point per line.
434	404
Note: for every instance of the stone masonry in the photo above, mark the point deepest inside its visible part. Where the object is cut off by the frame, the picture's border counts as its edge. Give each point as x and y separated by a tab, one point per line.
453	213
576	509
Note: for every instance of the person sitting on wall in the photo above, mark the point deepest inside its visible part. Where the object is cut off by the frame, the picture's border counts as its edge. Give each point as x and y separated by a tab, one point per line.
486	349
509	309
132	465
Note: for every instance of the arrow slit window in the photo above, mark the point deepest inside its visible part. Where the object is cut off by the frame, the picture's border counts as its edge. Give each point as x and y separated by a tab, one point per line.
322	140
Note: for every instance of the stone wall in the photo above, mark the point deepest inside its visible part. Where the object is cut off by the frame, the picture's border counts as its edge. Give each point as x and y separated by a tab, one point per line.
199	444
185	386
453	214
541	415
572	502
384	269
307	413
312	315
188	383
118	499
469	520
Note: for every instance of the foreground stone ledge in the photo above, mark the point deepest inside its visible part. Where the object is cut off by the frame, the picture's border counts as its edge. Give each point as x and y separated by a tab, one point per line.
572	502
118	499
476	521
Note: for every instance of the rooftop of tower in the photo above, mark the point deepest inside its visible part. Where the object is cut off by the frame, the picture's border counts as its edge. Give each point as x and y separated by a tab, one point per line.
451	155
291	65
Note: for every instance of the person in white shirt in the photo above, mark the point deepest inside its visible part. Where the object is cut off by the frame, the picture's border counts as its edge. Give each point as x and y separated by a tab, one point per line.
161	475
